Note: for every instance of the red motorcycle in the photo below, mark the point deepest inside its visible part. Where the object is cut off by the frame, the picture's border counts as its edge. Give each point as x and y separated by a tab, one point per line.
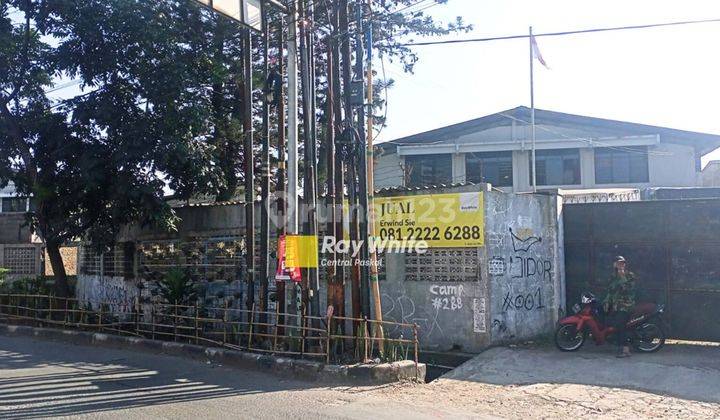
644	327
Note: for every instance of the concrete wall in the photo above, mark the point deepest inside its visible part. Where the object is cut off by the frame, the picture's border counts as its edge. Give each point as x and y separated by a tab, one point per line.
518	292
445	312
525	265
118	293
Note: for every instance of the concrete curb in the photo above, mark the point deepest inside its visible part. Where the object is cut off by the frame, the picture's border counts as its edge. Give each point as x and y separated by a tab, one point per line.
282	366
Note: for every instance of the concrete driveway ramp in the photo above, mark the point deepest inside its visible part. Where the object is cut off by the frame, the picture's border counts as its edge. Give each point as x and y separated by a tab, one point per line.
685	371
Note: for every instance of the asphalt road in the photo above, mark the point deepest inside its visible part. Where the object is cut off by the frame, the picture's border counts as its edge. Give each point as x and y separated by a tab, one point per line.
49	379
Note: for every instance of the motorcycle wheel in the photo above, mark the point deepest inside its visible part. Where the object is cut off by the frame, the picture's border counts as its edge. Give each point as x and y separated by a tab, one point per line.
649	338
568	338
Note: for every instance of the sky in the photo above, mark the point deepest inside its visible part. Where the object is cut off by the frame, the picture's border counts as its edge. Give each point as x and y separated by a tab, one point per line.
667	76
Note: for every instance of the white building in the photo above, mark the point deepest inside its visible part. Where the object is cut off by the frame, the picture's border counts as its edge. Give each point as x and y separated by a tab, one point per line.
572	152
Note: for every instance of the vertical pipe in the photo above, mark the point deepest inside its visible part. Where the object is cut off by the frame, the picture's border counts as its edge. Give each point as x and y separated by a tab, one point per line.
249	169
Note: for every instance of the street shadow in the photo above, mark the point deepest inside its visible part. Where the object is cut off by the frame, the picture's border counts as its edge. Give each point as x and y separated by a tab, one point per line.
45	379
680	369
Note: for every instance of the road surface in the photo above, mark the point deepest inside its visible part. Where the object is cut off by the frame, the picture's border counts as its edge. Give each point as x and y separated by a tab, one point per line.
50	379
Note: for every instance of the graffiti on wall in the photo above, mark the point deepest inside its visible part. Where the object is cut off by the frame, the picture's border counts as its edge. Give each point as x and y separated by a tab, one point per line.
402	309
447	297
526	262
119	295
523	301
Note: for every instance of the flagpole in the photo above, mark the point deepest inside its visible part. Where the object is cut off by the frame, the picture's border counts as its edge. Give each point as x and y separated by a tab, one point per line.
532	111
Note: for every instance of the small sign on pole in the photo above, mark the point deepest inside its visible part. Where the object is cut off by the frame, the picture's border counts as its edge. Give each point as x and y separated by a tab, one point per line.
247	12
284	273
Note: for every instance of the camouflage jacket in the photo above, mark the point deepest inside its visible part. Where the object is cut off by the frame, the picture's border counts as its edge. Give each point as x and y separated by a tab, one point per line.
621	293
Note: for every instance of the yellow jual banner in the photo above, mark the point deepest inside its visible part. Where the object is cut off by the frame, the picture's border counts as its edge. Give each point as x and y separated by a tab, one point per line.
442	220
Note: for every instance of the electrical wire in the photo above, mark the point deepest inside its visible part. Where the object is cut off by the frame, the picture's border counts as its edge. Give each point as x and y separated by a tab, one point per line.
563	33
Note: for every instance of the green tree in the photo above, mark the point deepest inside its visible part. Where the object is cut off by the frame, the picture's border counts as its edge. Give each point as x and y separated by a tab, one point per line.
102	158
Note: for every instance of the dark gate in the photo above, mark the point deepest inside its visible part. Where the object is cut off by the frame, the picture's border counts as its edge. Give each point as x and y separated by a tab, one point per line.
672	246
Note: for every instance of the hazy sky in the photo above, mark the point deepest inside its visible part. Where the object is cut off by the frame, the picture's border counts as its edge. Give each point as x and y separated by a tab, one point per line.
663	76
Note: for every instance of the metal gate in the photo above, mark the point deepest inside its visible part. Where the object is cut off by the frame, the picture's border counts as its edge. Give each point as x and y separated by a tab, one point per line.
672	246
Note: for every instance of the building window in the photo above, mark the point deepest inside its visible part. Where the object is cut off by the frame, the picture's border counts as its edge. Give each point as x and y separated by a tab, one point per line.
427	170
556	167
14	205
621	166
494	168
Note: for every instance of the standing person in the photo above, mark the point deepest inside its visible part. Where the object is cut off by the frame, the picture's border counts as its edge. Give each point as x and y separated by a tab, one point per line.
620	302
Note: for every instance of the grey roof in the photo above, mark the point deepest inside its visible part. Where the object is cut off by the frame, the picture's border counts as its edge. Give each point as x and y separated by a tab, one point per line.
702	142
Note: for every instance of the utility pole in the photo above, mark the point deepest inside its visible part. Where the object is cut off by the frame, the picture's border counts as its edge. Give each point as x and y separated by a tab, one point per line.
362	155
292	123
532	111
280	186
374	281
351	181
330	195
249	169
336	293
265	183
292	169
310	142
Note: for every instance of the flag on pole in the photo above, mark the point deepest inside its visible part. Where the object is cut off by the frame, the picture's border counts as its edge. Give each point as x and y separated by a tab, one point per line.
536	52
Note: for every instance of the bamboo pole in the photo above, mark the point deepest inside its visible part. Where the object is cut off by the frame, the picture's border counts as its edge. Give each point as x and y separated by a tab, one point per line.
225	319
327	338
252	318
197	340
275	334
175	318
415	338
